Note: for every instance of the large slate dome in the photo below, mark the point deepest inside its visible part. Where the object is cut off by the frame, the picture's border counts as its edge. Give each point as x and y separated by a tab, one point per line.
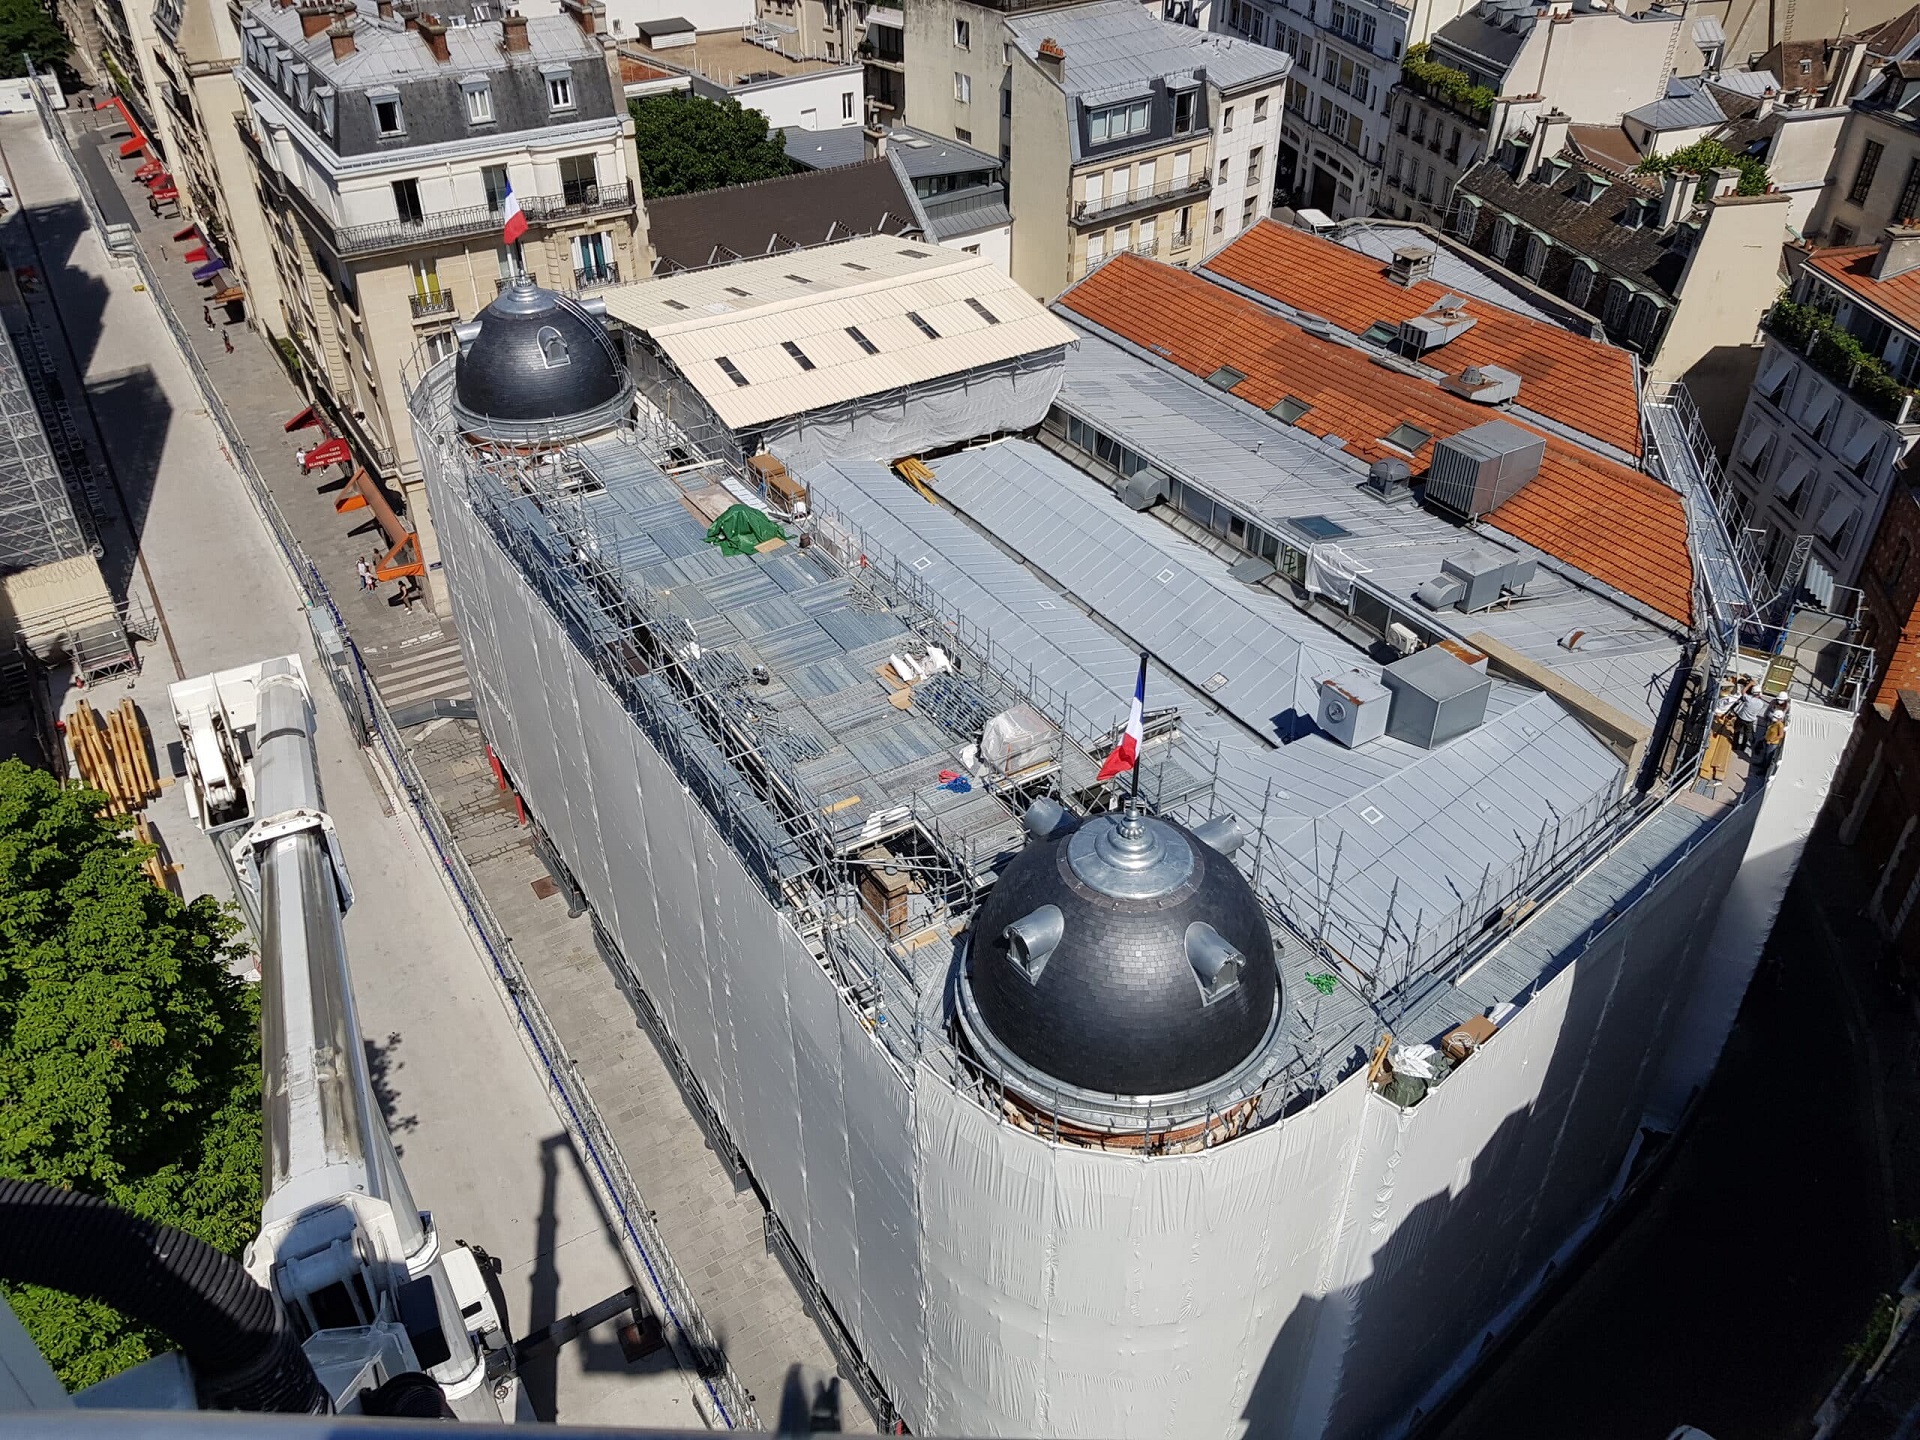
1126	959
535	366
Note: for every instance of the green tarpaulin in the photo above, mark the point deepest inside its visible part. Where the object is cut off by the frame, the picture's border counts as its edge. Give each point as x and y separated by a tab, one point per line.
741	530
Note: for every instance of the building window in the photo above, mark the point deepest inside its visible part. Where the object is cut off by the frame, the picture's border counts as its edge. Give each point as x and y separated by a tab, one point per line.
479	104
1842	235
1220	222
1614	313
1909	206
962	88
1116	122
1259	109
1183	227
1246	211
963	135
560	92
387	119
962	35
1354	23
439	345
1221	178
1183	112
1096	247
1580	284
406	201
1255	158
578	180
494	178
1226	121
1863	177
1536	260
846	105
1502	241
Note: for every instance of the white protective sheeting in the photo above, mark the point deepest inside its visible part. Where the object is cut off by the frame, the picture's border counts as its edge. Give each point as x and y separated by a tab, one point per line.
1316	1277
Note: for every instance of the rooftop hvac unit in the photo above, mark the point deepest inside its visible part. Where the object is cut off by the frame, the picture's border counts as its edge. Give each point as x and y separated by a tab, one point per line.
1436	697
1403	638
1141	489
1475	581
1353	708
1389	481
1446	321
1479	470
1484	384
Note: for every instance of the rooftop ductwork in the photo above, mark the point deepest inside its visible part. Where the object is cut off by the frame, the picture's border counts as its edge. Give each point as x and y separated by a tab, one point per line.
1479	470
1475	581
1447	320
1436	697
1484	384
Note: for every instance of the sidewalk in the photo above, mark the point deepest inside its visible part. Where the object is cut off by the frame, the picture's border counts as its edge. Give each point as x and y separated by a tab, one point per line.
714	1229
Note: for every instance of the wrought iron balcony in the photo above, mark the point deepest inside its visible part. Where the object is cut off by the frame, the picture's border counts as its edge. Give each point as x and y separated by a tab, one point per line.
592	277
587	200
439	302
1142	197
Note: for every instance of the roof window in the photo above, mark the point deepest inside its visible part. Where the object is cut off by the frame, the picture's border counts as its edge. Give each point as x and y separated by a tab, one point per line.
855	265
922	326
1380	333
1407	437
1225	378
1289	410
736	290
674	304
982	311
1318	527
730	370
859	338
799	355
799	279
913	254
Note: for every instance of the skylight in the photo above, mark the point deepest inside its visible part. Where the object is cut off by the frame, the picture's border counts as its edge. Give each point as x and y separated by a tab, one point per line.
921	324
854	265
1407	437
914	254
982	311
1318	527
1225	378
799	355
799	279
730	370
674	304
860	339
736	290
1290	410
1380	333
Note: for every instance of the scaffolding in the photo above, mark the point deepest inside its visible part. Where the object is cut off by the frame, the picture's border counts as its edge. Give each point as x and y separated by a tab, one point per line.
38	521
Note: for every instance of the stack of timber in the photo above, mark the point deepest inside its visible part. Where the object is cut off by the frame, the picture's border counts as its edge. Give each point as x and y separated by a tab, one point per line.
112	755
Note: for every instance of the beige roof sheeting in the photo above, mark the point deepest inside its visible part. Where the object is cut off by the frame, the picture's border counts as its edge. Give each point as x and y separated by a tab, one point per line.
809	298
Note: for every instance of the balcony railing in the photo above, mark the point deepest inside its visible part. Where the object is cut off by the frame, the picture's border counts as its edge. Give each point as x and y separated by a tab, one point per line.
425	306
1142	195
1841	358
475	219
593	276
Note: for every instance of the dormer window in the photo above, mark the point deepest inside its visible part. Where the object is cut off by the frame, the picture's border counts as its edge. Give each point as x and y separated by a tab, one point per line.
553	348
559	88
323	109
388	120
1117	122
1591	187
479	98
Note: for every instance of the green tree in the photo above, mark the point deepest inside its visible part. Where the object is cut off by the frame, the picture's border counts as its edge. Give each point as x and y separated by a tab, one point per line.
1704	155
28	28
129	1052
689	143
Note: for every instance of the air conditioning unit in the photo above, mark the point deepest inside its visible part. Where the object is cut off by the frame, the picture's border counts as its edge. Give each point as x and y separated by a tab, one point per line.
1484	384
1353	708
1479	470
1403	638
1436	696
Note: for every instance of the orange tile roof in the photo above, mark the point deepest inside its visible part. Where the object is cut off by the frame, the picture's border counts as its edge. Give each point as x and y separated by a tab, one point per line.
1616	524
1585	384
1851	267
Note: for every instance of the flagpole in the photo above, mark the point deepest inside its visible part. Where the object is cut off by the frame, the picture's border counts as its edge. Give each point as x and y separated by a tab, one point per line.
1140	688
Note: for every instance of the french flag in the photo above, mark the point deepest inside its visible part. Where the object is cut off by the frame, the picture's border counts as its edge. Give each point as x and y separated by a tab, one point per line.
516	225
1126	755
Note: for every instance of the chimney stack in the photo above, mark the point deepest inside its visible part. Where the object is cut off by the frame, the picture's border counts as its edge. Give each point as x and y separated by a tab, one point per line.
586	14
1549	139
1676	198
513	32
341	34
1725	181
385	8
315	18
1053	59
876	138
1899	252
435	34
409	13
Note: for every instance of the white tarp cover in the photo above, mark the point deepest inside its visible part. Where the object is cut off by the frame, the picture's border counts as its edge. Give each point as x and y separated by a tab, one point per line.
1315	1277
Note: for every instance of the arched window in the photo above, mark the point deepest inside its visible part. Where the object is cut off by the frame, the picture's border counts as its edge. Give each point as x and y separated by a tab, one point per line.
553	348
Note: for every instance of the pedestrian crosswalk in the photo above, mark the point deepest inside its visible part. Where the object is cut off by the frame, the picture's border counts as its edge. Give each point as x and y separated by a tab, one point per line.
427	667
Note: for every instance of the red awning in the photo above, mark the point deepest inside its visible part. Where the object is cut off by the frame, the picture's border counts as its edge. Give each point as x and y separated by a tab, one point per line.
197	255
135	145
159	177
306	417
186	234
147	171
330	452
166	193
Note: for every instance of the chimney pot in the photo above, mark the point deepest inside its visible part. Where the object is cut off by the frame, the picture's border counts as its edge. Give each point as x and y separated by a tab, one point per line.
341	34
876	138
314	19
513	32
1899	252
435	34
1053	59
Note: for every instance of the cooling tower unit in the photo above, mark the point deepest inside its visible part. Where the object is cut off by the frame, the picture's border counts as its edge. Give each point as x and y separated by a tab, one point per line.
1479	470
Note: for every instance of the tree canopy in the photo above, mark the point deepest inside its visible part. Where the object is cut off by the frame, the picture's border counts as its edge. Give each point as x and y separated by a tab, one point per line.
1704	155
129	1053
689	143
28	28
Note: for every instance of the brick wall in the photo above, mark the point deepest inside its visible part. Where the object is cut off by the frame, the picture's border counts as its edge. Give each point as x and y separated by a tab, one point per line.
1890	580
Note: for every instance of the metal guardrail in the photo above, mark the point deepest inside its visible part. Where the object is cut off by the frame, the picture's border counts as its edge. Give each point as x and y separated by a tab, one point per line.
694	1342
1160	193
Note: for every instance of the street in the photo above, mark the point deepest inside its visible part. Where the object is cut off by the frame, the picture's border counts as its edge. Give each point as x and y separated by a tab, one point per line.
480	1141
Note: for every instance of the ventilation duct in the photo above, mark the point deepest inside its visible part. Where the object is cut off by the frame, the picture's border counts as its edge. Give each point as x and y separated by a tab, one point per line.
1436	697
1389	481
1353	708
1035	936
1479	470
1484	384
1221	833
1446	321
1475	580
1141	489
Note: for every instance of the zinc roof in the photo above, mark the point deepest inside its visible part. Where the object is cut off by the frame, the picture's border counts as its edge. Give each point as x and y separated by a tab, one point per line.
750	313
1586	384
1116	49
1687	105
1618	525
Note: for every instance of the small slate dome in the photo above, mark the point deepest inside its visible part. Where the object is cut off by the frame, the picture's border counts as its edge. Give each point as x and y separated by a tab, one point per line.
535	366
1128	958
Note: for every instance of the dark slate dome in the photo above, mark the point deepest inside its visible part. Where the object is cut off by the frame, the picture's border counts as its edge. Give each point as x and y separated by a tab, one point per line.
535	366
1126	959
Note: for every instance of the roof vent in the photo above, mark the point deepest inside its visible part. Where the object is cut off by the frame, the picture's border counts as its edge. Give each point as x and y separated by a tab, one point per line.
1315	324
1033	937
1389	481
1436	697
1484	384
1446	321
1140	490
1411	265
1353	708
1475	581
1479	470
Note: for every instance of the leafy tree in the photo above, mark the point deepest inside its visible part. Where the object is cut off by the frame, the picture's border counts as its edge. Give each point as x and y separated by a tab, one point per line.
1704	155
28	28
689	143
129	1053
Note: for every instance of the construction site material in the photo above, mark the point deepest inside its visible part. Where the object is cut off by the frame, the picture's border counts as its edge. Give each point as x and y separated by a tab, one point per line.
741	530
112	755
